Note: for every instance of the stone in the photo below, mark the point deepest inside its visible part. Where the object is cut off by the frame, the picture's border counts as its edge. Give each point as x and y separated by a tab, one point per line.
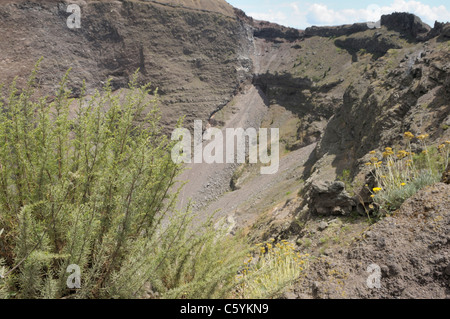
329	198
322	226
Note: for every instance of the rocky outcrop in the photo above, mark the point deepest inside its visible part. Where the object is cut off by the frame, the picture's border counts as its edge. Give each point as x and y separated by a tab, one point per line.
329	198
335	31
420	89
446	31
272	33
407	24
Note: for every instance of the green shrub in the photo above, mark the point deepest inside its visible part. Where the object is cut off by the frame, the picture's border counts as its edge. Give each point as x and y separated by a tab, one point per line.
91	182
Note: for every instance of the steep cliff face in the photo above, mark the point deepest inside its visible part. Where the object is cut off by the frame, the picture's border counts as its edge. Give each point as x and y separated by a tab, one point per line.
190	50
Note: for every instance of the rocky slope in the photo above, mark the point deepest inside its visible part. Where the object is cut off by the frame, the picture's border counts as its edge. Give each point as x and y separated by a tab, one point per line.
336	93
412	249
191	52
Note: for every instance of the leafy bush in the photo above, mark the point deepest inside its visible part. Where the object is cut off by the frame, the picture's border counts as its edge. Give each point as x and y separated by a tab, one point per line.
91	182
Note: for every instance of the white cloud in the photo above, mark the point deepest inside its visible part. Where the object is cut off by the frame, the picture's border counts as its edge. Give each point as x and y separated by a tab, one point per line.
300	15
278	17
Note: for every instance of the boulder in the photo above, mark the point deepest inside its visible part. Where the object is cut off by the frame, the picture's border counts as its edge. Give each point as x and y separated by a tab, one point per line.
329	198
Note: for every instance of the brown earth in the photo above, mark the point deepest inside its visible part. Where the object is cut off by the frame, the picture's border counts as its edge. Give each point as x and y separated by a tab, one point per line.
412	249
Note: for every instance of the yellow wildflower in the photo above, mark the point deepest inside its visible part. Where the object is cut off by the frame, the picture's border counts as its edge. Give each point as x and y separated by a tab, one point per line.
423	136
402	154
409	135
388	153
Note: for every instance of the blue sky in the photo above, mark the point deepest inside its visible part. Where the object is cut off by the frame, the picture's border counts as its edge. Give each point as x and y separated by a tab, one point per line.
301	14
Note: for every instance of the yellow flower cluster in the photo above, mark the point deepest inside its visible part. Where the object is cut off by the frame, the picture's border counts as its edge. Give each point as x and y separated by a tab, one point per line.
443	146
374	161
399	168
402	154
423	136
388	152
275	255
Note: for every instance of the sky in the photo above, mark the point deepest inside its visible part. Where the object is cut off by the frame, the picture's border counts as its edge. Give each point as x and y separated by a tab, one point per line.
302	14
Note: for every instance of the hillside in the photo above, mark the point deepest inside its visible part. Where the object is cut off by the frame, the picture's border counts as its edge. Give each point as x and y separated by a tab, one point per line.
340	96
192	56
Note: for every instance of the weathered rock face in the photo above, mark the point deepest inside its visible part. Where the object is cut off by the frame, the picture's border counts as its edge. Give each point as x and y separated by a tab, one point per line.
446	31
329	198
335	31
270	31
191	50
372	118
406	23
